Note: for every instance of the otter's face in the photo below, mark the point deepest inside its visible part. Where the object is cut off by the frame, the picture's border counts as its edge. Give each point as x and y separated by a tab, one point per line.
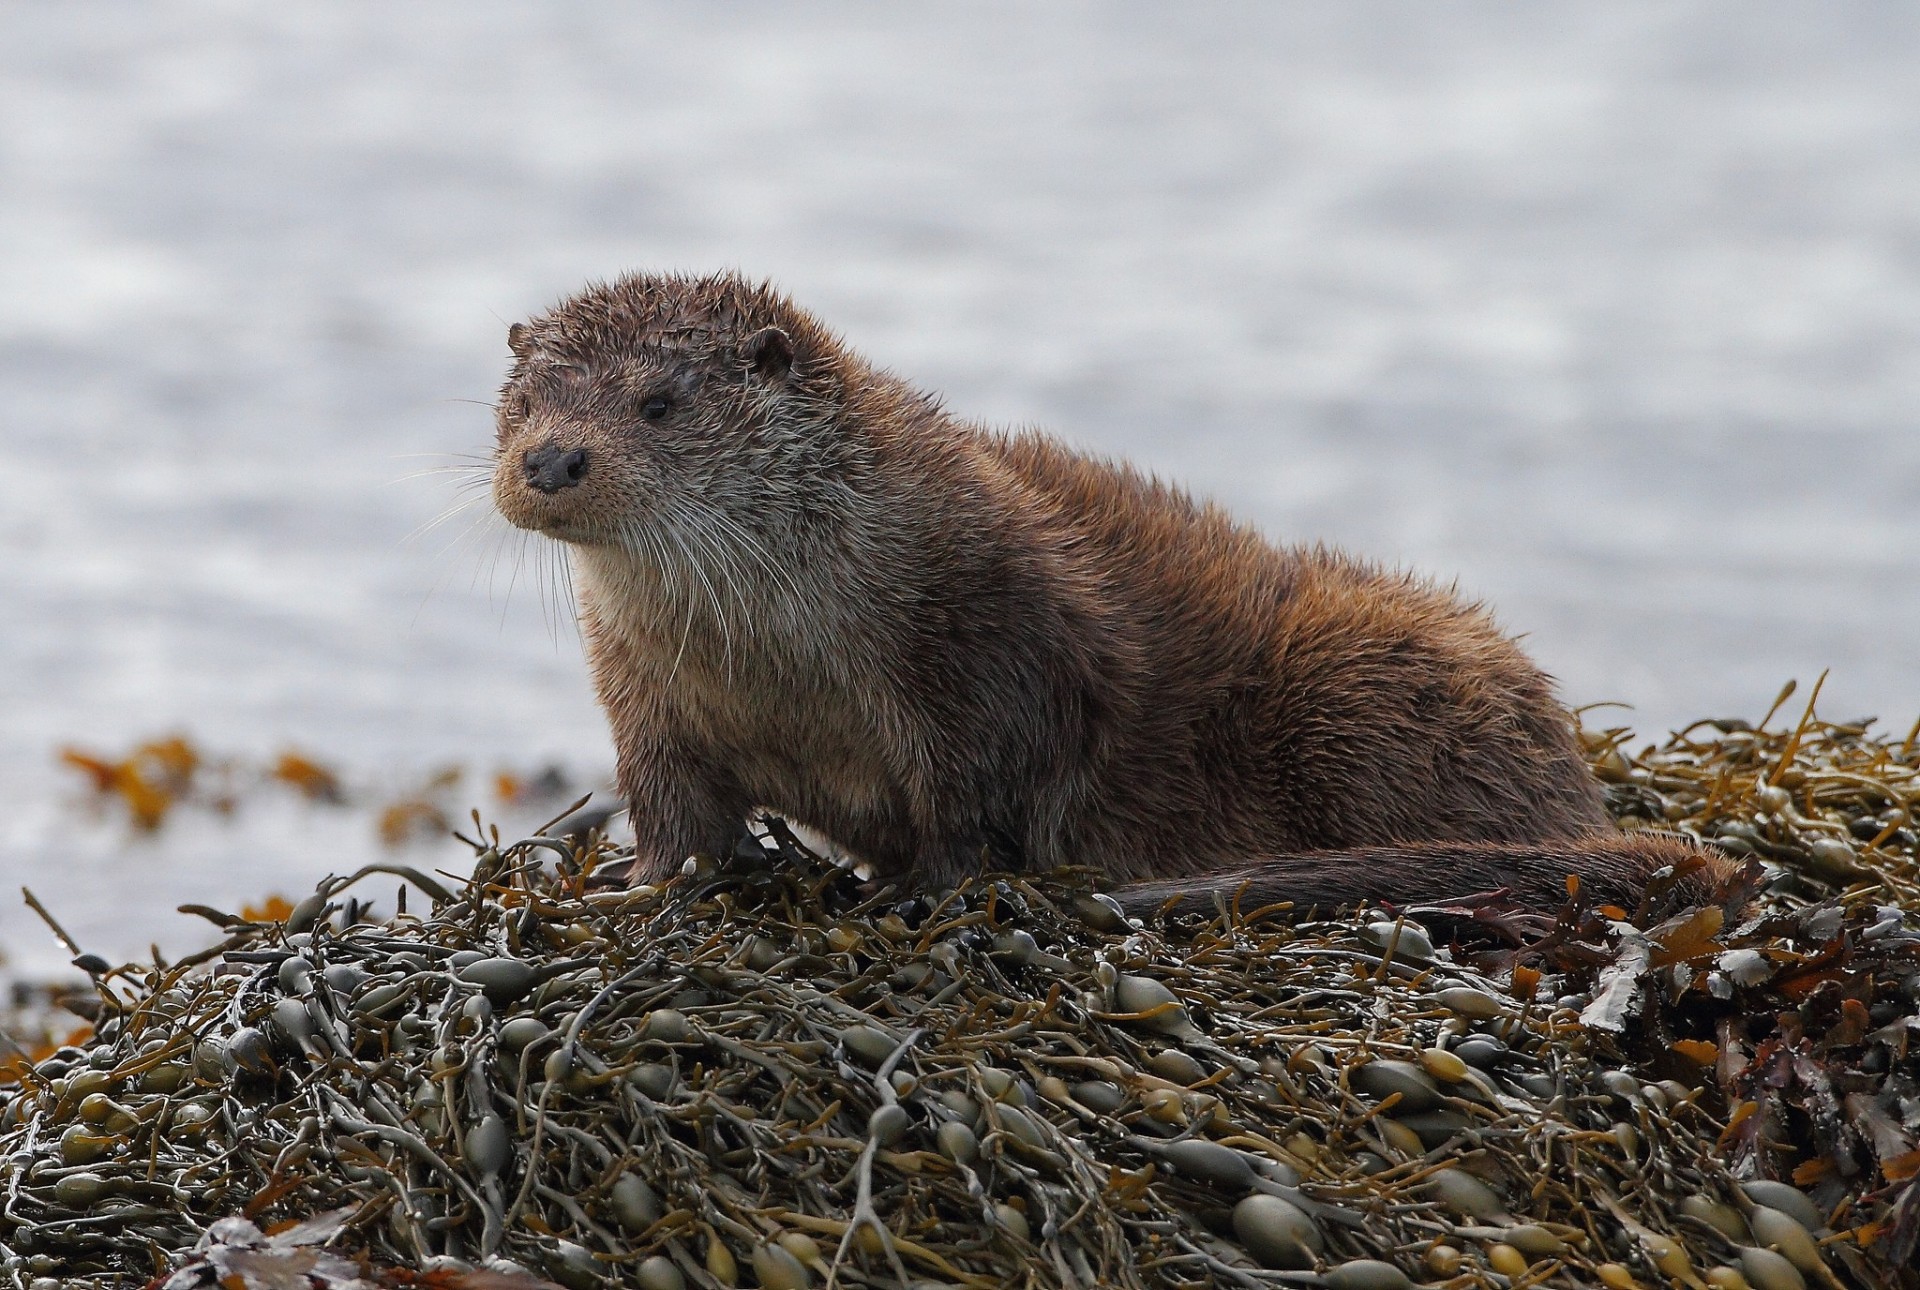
634	446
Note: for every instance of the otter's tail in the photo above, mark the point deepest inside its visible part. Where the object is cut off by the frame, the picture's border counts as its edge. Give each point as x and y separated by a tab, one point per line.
1613	869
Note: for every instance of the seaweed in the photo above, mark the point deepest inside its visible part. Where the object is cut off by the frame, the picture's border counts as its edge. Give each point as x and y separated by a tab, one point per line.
770	1072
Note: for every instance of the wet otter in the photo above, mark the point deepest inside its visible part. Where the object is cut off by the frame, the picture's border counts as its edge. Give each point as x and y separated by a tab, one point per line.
807	587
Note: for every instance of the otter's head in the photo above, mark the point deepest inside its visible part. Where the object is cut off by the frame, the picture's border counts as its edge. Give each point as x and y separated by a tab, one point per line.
638	411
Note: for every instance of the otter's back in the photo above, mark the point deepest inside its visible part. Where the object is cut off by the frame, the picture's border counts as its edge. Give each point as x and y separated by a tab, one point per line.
1294	698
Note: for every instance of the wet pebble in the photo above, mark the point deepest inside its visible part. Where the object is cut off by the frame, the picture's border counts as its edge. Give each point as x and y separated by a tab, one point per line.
292	1023
960	1104
247	1050
307	912
957	1142
659	1273
1767	1270
1164	1105
870	1043
503	979
1408	941
636	1206
775	1268
667	1025
382	997
295	976
1209	1162
79	1145
1622	1085
192	1119
167	1077
575	1267
653	1079
1398	1136
1308	1057
1367	1274
888	1124
1465	1001
1001	1086
1534	1084
1777	1230
1669	1256
1099	1095
209	1059
1179	1067
1276	1232
488	1146
1788	1199
1534	1241
80	1190
1718	1215
1144	994
1017	947
1480	1052
1506	1260
1436	1128
1383	1077
1022	1126
1461	1192
1100	912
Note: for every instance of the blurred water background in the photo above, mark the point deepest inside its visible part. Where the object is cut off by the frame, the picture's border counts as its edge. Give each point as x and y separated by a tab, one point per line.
1609	312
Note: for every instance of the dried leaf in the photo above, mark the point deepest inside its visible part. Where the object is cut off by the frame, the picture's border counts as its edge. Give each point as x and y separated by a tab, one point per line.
103	774
1888	1140
274	909
314	781
1698	1051
1686	937
1525	982
172	758
1809	1172
1852	1027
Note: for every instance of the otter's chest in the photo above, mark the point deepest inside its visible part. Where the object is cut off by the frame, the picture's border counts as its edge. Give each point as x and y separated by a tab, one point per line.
792	729
806	751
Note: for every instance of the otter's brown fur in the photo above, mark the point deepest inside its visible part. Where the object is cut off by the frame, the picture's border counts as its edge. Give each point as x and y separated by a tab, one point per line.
807	587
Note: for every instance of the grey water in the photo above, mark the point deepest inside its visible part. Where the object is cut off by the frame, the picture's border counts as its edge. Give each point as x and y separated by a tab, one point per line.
1610	313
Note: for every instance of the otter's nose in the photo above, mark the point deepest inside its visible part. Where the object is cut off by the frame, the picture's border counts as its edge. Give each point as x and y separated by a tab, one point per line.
552	468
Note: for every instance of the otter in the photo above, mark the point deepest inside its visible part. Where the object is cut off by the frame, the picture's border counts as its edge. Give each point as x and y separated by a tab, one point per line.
808	588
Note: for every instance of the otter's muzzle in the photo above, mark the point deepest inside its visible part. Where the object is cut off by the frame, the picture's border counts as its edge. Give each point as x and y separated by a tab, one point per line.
553	468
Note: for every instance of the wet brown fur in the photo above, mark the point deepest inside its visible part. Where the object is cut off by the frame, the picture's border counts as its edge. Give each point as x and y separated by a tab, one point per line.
809	588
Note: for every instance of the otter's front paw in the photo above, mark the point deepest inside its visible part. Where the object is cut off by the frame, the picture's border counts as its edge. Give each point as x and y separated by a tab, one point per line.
655	866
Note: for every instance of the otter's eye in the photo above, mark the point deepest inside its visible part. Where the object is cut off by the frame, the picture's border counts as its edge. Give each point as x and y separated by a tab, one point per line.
656	407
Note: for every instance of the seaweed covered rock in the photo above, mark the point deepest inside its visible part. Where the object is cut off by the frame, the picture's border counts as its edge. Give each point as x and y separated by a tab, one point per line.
768	1073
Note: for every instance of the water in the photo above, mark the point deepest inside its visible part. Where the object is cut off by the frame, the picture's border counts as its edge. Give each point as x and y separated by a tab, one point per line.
1610	314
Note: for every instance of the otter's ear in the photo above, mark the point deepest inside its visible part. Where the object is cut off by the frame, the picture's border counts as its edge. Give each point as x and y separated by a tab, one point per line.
769	353
520	340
